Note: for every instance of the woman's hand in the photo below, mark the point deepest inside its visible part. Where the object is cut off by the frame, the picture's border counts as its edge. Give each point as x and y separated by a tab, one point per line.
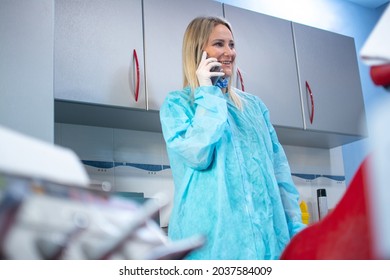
203	72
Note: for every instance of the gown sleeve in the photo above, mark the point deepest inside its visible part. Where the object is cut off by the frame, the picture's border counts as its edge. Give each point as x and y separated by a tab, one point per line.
287	188
191	132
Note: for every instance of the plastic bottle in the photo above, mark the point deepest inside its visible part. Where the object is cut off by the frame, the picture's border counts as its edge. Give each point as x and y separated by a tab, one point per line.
305	212
322	202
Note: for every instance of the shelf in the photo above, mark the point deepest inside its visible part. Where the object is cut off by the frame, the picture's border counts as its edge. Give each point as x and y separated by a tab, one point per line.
314	139
106	116
149	120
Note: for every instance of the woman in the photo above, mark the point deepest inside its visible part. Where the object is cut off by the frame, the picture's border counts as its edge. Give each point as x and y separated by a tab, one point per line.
232	179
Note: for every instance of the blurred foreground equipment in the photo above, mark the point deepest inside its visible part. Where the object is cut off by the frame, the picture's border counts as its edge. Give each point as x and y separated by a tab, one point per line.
376	51
359	225
49	211
376	54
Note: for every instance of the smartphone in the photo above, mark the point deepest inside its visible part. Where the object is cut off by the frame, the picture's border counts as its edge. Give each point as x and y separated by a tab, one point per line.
215	79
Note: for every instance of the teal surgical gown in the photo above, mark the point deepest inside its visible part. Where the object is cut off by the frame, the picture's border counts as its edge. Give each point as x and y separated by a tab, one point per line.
232	180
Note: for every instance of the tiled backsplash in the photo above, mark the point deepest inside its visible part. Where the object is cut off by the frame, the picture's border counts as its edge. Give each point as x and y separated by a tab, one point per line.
136	161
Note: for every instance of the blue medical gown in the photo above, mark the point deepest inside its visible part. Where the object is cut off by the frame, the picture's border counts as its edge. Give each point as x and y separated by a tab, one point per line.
232	180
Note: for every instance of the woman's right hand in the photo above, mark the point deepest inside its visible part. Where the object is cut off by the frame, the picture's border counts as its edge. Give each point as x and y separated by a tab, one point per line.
203	72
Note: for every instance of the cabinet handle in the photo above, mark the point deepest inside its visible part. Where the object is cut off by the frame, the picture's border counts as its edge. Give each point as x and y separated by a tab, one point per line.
241	79
135	56
308	89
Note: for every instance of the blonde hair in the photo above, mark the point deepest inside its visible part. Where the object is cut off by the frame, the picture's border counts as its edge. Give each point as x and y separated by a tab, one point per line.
195	39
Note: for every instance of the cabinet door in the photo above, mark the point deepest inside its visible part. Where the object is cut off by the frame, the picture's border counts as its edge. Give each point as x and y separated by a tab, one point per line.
26	67
266	59
94	51
327	64
165	24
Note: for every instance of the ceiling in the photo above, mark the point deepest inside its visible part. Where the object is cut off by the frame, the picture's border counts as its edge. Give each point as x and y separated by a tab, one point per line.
369	3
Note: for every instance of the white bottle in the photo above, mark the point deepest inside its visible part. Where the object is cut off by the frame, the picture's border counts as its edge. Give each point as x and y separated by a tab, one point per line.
322	203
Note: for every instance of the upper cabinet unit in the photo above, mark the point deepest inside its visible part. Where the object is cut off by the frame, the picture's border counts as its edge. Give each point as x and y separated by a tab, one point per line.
115	61
99	52
307	77
329	81
266	61
165	23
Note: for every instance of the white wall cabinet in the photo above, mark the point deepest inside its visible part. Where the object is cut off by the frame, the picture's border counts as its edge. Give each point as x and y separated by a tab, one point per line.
165	24
328	68
307	77
266	59
97	46
26	67
95	43
278	59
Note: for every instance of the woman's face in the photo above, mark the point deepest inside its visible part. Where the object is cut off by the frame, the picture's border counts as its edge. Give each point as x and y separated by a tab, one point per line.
221	46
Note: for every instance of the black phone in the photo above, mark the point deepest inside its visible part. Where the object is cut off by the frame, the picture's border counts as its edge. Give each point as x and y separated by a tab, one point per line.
215	79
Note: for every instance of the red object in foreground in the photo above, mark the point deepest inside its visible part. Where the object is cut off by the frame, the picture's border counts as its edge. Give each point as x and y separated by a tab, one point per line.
344	234
380	74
